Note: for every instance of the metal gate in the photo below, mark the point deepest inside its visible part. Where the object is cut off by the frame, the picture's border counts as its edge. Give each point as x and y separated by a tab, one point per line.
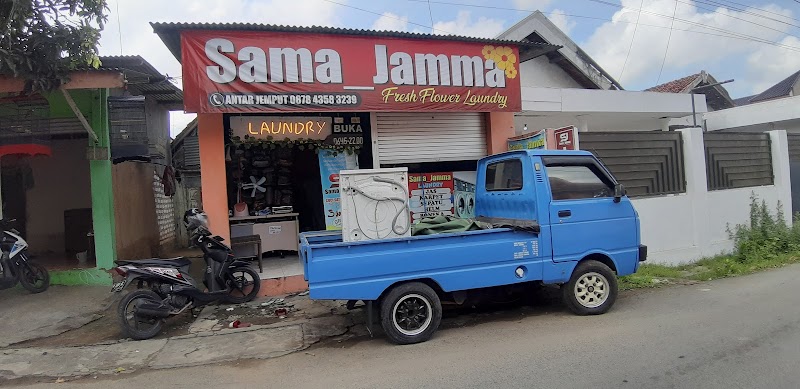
430	137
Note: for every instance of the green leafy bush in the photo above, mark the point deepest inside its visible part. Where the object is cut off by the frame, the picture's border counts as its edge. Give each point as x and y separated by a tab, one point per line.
766	236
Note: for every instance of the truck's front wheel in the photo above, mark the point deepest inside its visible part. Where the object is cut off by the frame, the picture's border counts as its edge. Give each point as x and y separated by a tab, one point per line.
410	313
591	290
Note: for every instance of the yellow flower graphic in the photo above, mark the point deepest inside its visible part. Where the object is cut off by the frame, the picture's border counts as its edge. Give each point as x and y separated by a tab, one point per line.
511	72
504	57
488	52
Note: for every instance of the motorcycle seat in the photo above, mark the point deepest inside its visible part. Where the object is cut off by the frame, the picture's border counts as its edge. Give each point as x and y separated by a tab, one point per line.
172	262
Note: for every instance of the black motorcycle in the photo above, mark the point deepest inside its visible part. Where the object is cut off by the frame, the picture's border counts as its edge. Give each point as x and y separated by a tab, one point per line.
14	264
164	287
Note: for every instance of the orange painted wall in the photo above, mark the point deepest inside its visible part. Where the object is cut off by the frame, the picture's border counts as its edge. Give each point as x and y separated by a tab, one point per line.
501	127
210	135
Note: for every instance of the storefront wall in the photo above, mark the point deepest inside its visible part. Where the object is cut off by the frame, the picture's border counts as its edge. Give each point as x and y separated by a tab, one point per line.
211	139
265	73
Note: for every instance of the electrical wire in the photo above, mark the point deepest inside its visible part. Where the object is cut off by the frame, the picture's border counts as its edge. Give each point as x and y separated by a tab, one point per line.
745	11
735	17
761	9
430	13
669	39
119	29
727	33
687	21
389	16
635	27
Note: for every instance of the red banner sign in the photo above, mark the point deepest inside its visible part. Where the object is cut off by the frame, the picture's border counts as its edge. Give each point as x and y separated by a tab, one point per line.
262	71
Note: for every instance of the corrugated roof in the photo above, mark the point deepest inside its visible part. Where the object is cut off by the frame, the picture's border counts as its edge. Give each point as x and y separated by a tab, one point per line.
781	89
143	78
675	86
170	34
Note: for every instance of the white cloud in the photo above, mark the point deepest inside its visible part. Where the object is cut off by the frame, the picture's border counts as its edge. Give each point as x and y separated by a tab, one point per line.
532	5
138	37
464	25
560	19
769	64
609	44
391	22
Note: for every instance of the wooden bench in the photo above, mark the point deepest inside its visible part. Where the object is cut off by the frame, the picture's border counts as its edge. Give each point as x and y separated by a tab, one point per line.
250	240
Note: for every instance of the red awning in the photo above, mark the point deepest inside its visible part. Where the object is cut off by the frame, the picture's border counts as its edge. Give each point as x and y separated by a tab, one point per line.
25	149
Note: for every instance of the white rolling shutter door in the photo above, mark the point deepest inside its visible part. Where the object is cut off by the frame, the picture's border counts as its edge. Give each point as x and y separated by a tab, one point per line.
430	137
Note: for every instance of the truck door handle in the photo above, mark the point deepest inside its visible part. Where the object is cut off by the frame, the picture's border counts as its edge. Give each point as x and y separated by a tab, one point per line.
564	213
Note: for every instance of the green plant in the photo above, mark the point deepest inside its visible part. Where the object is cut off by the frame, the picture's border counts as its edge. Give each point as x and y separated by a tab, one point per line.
765	236
41	41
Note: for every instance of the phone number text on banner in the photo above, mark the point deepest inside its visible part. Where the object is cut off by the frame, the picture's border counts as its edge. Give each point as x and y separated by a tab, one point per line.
283	100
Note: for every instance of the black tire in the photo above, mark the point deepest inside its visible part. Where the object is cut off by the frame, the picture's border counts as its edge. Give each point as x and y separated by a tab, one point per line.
242	289
591	290
151	327
410	313
34	277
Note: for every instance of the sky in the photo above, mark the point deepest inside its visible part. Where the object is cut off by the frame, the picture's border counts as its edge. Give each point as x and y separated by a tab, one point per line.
641	43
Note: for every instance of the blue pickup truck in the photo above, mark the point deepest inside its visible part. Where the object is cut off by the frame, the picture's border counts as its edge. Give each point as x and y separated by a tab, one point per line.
557	218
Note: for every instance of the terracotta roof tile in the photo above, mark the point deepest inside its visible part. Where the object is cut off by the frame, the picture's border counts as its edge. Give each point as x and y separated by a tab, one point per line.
674	86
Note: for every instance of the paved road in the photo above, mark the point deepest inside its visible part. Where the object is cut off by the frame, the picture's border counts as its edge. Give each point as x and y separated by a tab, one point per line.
734	333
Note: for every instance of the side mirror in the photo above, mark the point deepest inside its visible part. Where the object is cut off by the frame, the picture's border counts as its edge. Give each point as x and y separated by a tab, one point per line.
619	191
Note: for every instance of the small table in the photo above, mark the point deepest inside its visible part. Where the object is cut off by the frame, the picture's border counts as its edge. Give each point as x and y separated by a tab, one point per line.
247	240
278	232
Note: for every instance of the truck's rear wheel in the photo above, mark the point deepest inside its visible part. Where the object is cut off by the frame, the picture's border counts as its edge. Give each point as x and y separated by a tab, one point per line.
410	313
591	290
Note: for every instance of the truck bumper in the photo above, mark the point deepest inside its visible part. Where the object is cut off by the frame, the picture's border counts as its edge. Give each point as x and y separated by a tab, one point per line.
642	253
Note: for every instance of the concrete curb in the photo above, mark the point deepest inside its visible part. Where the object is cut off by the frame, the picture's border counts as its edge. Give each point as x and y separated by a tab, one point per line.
261	342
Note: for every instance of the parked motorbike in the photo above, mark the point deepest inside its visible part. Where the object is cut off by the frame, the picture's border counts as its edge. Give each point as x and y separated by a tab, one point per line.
165	288
14	264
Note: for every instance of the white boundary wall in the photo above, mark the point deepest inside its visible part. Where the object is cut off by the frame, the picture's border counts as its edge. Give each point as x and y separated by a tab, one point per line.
693	225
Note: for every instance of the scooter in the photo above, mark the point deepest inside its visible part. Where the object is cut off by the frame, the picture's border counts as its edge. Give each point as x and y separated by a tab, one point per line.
14	264
165	288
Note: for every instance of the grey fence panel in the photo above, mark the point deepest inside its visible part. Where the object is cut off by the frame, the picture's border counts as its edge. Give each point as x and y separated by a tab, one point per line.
647	163
794	147
737	160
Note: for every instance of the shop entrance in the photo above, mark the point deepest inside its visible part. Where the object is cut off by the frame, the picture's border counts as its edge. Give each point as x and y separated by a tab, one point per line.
50	198
282	172
265	181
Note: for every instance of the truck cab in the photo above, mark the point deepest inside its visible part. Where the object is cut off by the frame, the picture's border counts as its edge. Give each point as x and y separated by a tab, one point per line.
581	210
546	217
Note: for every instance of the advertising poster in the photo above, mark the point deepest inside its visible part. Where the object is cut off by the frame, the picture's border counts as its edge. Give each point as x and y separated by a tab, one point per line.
247	71
533	140
564	138
329	167
430	195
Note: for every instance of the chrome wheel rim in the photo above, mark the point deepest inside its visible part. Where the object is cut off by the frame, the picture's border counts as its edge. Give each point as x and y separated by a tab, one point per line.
591	290
412	314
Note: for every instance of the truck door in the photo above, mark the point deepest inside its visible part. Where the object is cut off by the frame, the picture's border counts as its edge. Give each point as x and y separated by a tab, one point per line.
584	216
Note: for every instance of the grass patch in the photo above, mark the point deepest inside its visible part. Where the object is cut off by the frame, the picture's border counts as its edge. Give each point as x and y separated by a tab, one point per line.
651	276
766	242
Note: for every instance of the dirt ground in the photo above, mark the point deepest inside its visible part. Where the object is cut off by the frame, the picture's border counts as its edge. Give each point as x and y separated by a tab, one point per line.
258	312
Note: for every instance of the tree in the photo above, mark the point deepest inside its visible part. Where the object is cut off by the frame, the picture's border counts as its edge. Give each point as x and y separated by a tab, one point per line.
41	41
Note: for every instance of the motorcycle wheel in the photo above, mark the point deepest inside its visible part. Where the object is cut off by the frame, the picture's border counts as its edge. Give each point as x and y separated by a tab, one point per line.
138	328
244	284
34	277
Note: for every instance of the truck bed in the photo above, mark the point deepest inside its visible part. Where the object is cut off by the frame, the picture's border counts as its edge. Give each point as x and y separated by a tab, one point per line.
336	270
